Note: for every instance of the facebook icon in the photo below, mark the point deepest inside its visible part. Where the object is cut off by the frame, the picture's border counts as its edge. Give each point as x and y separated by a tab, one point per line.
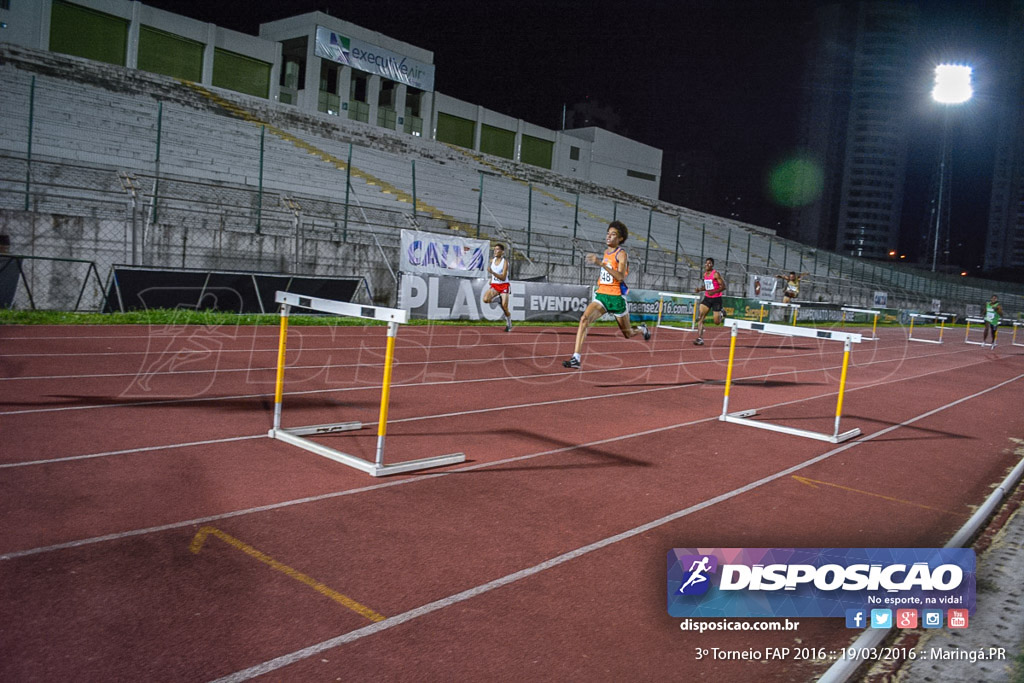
856	618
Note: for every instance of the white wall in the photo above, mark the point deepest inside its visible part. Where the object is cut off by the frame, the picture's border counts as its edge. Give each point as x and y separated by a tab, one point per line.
612	155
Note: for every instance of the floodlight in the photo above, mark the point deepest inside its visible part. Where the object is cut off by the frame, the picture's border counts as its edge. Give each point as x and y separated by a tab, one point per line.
952	84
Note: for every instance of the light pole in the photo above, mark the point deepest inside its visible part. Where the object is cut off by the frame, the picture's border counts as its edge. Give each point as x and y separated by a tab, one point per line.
952	86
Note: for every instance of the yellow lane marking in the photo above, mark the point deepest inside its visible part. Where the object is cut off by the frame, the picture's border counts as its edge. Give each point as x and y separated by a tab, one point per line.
197	544
813	484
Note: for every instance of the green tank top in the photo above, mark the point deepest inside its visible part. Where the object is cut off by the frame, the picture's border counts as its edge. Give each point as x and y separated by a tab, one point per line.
991	315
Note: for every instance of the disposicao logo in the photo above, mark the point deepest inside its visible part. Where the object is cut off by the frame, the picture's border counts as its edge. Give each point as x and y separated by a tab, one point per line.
696	580
816	582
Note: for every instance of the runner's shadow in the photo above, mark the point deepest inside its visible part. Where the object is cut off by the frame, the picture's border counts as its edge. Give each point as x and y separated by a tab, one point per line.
847	419
650	384
760	383
550	446
923	433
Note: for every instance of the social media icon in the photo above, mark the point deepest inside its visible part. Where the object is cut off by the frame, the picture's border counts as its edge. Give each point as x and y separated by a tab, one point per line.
906	618
856	618
931	618
881	618
957	618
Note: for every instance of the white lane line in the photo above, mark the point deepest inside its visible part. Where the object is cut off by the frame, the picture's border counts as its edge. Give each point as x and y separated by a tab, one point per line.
477	411
468	468
423	610
128	451
273	368
557	373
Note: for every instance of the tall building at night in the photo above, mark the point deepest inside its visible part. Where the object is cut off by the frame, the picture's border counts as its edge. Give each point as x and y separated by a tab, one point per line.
854	125
1004	243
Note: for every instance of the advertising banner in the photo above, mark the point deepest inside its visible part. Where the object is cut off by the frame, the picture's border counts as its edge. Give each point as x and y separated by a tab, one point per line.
428	252
373	59
881	300
458	298
761	286
819	582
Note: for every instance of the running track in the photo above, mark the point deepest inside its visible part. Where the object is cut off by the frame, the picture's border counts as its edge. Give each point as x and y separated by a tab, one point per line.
152	531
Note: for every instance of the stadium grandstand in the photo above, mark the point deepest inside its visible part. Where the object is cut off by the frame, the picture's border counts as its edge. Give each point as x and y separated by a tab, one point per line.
105	162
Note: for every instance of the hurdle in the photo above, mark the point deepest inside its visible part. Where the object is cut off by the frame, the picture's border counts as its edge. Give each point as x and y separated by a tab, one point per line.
967	335
942	326
848	338
1013	338
661	309
760	315
866	311
295	435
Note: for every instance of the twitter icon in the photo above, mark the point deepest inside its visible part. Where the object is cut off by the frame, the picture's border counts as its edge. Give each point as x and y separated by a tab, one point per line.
881	618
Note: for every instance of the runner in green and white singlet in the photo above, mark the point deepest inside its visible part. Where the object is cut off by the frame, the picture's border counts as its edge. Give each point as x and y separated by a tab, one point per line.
993	314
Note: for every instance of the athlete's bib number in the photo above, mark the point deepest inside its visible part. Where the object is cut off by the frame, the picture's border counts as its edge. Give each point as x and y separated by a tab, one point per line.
709	285
606	278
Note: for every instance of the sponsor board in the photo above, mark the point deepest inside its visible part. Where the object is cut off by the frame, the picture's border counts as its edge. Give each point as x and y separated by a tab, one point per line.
428	252
818	582
373	59
457	298
761	286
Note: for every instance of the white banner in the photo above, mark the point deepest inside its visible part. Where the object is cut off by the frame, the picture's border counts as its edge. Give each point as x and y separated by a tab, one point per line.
374	59
448	298
429	252
761	286
881	300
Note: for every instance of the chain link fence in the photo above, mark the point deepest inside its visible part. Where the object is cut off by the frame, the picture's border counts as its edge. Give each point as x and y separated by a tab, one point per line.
173	182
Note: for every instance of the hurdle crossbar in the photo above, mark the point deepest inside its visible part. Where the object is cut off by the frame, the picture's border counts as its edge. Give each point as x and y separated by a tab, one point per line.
967	334
295	435
779	304
866	311
742	417
941	318
661	307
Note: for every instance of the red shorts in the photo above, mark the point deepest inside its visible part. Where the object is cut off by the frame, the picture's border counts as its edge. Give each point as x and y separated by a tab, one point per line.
500	287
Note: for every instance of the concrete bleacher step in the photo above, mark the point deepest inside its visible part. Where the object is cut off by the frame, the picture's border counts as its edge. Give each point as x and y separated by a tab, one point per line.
123	104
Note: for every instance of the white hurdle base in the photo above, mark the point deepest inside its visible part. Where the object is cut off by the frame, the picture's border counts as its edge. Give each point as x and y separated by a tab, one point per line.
967	334
866	311
741	418
289	436
661	304
323	429
295	435
942	326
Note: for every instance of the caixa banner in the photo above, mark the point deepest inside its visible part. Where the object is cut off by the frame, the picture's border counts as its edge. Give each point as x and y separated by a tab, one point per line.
450	298
817	582
433	254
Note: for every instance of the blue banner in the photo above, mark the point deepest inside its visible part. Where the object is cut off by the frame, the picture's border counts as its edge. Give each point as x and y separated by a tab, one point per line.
817	582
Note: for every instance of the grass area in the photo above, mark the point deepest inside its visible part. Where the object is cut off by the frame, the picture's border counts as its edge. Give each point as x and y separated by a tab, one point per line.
1018	669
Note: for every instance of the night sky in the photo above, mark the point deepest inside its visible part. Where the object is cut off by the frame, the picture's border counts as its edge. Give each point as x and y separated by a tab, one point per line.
718	78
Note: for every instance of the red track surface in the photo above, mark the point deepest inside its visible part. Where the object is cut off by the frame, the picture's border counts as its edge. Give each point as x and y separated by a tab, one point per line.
541	558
